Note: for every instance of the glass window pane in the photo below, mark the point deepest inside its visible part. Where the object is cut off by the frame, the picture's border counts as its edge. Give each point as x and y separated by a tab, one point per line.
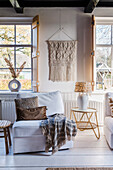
104	79
99	82
23	34
7	52
23	54
108	80
103	34
6	34
104	57
5	77
25	79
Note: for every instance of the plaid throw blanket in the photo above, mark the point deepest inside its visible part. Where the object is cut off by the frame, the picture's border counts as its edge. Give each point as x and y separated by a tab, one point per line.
57	130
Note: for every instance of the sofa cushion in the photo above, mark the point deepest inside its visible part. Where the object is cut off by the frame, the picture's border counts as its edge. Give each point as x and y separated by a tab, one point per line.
37	113
53	101
111	105
109	123
107	110
27	128
26	103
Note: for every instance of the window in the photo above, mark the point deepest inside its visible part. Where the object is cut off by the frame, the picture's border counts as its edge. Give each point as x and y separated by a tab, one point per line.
16	45
104	57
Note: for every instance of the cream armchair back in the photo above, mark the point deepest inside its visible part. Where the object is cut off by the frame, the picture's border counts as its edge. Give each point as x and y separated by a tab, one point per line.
53	101
107	111
108	121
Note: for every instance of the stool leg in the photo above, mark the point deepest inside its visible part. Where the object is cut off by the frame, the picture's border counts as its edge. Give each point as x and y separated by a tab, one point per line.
9	136
6	143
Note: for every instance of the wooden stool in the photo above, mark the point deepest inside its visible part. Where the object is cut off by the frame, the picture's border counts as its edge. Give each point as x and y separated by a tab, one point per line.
4	124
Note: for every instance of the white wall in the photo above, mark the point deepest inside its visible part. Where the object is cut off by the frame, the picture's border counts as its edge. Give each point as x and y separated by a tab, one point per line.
77	25
103	12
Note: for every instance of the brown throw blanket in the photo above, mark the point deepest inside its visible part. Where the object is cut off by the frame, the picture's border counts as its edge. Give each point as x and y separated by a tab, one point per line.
57	130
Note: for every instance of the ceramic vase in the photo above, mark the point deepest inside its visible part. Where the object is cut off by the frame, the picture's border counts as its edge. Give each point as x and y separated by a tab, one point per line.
14	85
82	101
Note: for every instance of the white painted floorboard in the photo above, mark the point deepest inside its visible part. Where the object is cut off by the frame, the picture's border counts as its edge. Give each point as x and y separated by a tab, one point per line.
87	152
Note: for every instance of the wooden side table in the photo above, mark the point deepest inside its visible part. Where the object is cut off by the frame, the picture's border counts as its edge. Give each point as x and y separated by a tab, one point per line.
4	125
87	124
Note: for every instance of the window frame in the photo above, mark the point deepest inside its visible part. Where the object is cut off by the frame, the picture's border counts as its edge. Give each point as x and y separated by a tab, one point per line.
20	45
103	21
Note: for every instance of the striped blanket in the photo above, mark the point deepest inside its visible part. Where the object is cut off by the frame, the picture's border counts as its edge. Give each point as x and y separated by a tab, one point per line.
57	129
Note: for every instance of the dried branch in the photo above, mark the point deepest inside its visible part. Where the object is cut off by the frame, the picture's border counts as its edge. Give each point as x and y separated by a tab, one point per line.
21	68
11	68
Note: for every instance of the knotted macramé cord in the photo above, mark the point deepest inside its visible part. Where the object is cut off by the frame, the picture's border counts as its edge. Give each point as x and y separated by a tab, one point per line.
62	60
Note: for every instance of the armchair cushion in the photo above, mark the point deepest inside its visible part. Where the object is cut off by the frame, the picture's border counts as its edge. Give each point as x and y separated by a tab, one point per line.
111	105
53	101
37	113
107	110
26	103
27	128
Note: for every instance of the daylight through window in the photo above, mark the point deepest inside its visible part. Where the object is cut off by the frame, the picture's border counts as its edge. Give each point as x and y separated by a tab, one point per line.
104	57
16	45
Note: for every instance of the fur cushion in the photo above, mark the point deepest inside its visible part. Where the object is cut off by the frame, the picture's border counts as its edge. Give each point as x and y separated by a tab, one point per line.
38	113
30	102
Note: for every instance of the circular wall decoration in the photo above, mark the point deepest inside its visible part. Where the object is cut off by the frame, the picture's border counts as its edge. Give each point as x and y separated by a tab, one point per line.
14	85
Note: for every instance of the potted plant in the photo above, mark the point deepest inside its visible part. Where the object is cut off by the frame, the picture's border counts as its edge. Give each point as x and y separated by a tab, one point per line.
15	74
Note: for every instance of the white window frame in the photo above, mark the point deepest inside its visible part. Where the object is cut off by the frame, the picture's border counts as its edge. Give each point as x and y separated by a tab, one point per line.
103	21
18	21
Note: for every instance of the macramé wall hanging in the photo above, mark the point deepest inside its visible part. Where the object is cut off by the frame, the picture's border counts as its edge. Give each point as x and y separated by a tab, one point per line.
62	59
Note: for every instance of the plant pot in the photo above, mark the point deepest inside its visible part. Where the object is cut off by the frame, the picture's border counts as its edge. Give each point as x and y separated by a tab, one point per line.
14	85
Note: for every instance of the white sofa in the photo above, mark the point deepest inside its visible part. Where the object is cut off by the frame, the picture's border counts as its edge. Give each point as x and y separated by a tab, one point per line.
108	124
27	135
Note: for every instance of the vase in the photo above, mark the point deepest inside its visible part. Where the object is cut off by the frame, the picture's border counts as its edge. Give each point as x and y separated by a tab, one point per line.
14	85
82	101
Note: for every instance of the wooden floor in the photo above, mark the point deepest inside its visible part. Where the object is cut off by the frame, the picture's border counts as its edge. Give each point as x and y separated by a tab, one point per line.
87	152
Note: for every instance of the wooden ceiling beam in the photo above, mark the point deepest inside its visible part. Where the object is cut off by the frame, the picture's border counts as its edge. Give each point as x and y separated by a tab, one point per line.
105	4
16	6
54	3
91	6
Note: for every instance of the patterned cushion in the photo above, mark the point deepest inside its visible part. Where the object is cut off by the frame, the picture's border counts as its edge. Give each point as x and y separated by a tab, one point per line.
26	103
38	113
111	105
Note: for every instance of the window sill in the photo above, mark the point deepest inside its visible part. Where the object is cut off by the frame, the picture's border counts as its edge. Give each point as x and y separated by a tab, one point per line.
20	92
101	92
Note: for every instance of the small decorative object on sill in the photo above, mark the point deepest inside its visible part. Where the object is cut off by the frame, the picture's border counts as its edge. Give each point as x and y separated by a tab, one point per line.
83	88
14	85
